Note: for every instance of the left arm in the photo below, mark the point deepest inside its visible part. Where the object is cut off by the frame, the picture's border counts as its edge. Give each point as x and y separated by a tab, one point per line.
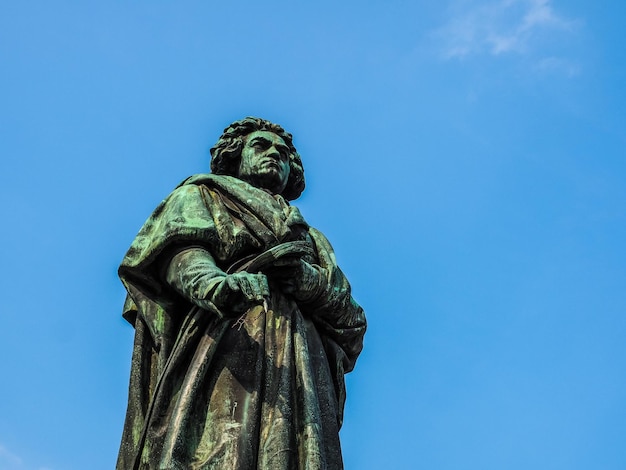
323	292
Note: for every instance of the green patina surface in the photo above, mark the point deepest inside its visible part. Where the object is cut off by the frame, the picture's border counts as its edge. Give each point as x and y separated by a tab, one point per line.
245	325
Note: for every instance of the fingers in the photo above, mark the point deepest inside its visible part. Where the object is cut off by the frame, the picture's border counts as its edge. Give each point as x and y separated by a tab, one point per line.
286	268
253	287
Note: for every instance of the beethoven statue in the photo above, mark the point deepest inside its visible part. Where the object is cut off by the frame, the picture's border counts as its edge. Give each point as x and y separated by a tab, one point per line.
244	324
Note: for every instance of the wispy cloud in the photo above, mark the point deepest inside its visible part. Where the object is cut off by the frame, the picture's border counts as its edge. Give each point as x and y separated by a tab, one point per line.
499	27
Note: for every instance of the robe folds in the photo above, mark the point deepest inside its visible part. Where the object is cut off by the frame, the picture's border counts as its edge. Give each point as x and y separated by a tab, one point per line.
208	392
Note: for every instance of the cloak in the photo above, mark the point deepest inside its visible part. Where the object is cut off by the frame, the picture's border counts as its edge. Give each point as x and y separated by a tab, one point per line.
207	392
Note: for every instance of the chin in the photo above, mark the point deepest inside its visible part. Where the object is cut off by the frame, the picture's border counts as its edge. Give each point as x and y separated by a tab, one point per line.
272	182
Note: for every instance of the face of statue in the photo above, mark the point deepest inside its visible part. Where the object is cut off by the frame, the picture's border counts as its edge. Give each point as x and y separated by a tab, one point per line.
265	161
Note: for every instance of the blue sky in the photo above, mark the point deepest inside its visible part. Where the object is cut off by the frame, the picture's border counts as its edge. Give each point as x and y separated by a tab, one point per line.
466	159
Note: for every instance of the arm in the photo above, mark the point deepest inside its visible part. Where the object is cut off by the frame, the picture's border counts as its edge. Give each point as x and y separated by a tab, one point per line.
324	294
193	273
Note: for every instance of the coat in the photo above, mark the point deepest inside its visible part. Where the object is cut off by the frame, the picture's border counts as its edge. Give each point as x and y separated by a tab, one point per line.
208	392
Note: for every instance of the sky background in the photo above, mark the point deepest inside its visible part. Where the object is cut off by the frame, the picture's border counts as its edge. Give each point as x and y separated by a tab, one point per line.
466	159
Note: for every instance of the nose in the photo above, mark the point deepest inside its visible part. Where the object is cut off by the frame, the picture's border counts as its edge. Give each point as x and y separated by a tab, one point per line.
273	152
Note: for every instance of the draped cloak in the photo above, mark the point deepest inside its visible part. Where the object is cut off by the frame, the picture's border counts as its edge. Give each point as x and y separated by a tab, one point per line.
208	393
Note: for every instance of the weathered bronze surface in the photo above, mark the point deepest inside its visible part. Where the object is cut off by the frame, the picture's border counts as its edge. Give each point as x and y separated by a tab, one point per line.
244	324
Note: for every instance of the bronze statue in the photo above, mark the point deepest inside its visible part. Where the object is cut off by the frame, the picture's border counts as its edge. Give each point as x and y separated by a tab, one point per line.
244	324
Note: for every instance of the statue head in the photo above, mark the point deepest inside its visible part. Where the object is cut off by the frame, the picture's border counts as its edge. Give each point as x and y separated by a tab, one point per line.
252	135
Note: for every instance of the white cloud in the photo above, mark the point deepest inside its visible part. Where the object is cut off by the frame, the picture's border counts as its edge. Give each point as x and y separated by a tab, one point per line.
498	27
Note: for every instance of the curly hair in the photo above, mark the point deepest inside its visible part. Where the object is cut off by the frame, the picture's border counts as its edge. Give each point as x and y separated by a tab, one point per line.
226	153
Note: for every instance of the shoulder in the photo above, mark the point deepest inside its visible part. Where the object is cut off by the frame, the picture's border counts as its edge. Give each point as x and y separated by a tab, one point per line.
323	246
181	197
192	190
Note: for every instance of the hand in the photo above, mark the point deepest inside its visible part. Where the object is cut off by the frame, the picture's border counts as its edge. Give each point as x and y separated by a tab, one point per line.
304	281
239	291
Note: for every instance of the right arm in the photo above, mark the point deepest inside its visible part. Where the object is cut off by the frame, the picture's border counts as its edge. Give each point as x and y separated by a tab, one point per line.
194	274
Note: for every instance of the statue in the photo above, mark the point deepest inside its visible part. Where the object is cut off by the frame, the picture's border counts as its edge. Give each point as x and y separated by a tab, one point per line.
244	324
